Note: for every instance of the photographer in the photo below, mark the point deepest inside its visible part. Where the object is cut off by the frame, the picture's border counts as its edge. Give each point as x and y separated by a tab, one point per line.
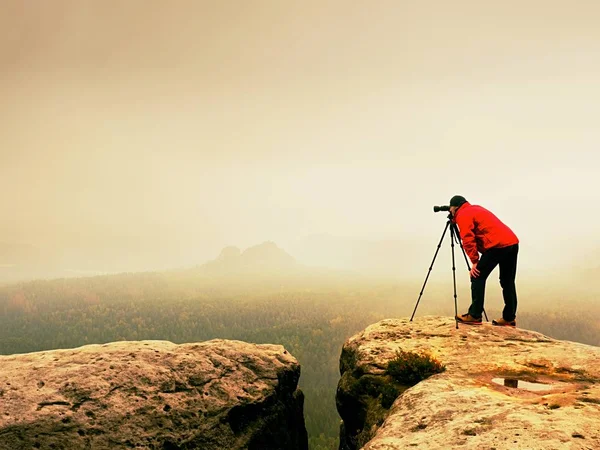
482	232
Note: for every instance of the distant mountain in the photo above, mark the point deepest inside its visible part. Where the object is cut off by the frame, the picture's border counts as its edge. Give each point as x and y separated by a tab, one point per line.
325	253
265	261
265	258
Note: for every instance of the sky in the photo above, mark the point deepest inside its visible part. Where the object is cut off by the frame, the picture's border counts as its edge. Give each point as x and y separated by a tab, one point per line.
147	134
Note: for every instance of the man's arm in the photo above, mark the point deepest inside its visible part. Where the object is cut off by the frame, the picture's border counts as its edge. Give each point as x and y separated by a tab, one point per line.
466	227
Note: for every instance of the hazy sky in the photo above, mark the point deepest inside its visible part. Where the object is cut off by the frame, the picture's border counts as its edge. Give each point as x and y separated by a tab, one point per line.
181	127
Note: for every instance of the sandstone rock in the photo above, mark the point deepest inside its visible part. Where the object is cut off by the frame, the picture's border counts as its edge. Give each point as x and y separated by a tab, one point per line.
503	388
152	394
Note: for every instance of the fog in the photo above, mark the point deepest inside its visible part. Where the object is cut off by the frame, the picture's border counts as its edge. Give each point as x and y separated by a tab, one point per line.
148	135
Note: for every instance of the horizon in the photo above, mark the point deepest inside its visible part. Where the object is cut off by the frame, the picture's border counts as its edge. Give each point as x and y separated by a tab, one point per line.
555	285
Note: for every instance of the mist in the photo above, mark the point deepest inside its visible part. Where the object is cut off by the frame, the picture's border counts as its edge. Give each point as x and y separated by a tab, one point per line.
148	136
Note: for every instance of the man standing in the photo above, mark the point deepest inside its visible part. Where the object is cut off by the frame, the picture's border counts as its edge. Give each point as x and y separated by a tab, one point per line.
482	232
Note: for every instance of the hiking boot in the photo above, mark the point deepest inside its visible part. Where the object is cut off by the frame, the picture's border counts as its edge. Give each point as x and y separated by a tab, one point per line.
504	323
468	319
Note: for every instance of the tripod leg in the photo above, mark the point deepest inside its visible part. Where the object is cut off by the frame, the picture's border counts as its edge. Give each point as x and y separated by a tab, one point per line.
454	232
429	272
454	278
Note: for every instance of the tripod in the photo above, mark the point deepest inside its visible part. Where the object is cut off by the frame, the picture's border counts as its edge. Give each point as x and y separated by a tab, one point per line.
453	236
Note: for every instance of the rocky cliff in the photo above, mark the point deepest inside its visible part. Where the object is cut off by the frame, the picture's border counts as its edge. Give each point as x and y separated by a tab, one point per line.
153	394
498	388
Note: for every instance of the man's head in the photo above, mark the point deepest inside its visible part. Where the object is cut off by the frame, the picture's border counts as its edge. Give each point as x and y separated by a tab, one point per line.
456	202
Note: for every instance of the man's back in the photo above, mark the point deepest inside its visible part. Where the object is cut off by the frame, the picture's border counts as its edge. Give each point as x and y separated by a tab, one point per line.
476	222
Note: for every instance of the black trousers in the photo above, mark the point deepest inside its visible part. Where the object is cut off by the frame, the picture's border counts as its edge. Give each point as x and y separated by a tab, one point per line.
506	258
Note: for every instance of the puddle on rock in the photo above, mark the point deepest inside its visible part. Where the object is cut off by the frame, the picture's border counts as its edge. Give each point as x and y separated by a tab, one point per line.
520	384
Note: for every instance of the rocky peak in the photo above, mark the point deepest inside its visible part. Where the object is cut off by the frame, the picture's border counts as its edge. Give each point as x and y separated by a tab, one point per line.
153	394
266	257
267	254
230	253
502	388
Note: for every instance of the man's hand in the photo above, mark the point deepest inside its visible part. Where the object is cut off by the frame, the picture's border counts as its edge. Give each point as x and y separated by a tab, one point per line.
474	271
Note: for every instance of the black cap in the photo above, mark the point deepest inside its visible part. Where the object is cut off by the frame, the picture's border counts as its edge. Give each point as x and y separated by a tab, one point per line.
457	200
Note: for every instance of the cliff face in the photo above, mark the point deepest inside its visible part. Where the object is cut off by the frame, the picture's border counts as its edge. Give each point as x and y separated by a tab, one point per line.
153	394
502	388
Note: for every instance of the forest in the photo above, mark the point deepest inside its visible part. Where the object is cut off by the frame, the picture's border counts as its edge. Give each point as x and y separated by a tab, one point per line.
311	316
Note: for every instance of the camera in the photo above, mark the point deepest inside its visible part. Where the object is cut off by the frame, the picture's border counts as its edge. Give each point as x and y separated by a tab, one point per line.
441	208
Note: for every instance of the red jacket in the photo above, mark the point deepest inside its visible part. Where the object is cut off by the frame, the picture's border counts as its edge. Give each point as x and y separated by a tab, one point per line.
481	230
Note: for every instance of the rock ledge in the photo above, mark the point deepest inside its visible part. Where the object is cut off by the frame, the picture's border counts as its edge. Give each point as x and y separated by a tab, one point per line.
153	394
470	405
